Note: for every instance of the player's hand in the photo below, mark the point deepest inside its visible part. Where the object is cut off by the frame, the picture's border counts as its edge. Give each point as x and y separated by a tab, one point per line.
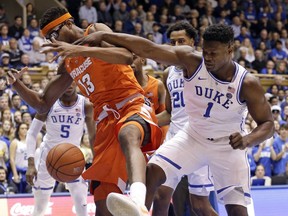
13	75
93	39
62	48
31	173
237	141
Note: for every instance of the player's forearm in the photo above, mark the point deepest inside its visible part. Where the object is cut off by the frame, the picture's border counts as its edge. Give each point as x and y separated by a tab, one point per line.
261	133
113	55
31	162
29	96
140	46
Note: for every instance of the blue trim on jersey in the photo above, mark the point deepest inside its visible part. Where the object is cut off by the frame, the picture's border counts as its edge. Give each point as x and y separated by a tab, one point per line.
74	181
247	195
43	188
200	186
248	165
196	71
83	107
222	189
239	88
169	161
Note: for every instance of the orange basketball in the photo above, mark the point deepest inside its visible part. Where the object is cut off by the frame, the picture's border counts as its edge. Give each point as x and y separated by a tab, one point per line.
65	162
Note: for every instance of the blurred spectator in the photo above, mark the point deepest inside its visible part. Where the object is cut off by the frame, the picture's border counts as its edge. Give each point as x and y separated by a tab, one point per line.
5	60
263	38
141	13
88	11
118	27
148	23
35	54
209	15
52	65
259	63
43	83
263	48
7	132
262	155
4	37
30	12
129	25
157	36
103	14
177	15
236	25
15	102
278	53
280	146
185	9
247	46
273	100
154	10
36	87
244	33
3	16
27	80
281	67
26	118
17	118
4	155
260	174
285	46
275	37
18	158
6	115
234	10
269	69
6	187
138	30
25	42
224	18
34	28
121	14
131	4
16	30
14	52
236	52
24	62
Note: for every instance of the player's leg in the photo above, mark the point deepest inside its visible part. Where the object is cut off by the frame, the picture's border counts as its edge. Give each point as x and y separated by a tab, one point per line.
231	177
100	191
162	200
180	197
79	190
200	185
43	184
135	132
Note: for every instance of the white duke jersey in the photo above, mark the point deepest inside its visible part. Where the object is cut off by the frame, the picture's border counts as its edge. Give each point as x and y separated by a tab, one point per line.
175	86
65	124
213	106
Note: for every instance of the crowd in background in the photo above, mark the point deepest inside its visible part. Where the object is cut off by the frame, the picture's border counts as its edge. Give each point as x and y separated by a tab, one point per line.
261	45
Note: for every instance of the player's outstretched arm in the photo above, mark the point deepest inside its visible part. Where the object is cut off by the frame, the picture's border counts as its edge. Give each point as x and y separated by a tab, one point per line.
145	48
52	92
252	92
31	138
113	55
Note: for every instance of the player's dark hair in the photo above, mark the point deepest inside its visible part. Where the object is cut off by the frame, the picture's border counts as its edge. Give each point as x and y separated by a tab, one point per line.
51	14
219	32
183	25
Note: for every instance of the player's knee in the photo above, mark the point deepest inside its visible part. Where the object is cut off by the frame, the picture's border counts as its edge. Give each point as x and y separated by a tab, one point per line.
155	176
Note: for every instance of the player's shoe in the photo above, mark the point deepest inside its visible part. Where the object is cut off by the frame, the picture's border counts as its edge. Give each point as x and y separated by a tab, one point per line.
122	205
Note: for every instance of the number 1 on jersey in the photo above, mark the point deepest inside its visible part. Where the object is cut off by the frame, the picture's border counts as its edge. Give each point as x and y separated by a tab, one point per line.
207	113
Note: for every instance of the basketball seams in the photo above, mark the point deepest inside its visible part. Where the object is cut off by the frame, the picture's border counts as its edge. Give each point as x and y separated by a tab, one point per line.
56	166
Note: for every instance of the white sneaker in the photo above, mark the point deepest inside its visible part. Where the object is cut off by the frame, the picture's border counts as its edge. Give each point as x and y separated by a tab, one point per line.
122	205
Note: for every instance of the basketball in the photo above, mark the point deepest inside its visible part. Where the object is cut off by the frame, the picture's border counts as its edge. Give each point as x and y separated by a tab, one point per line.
65	162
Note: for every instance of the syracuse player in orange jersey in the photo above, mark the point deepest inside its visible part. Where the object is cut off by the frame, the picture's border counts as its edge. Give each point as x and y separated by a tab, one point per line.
154	89
124	123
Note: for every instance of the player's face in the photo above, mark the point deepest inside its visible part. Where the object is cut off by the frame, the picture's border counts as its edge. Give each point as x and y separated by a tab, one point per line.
55	32
178	38
137	64
71	90
216	55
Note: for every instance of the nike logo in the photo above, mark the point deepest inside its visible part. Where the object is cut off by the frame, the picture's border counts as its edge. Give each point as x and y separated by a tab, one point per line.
202	78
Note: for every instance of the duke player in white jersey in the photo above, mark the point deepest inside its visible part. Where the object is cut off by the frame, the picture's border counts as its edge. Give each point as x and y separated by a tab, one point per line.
65	123
217	94
200	183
